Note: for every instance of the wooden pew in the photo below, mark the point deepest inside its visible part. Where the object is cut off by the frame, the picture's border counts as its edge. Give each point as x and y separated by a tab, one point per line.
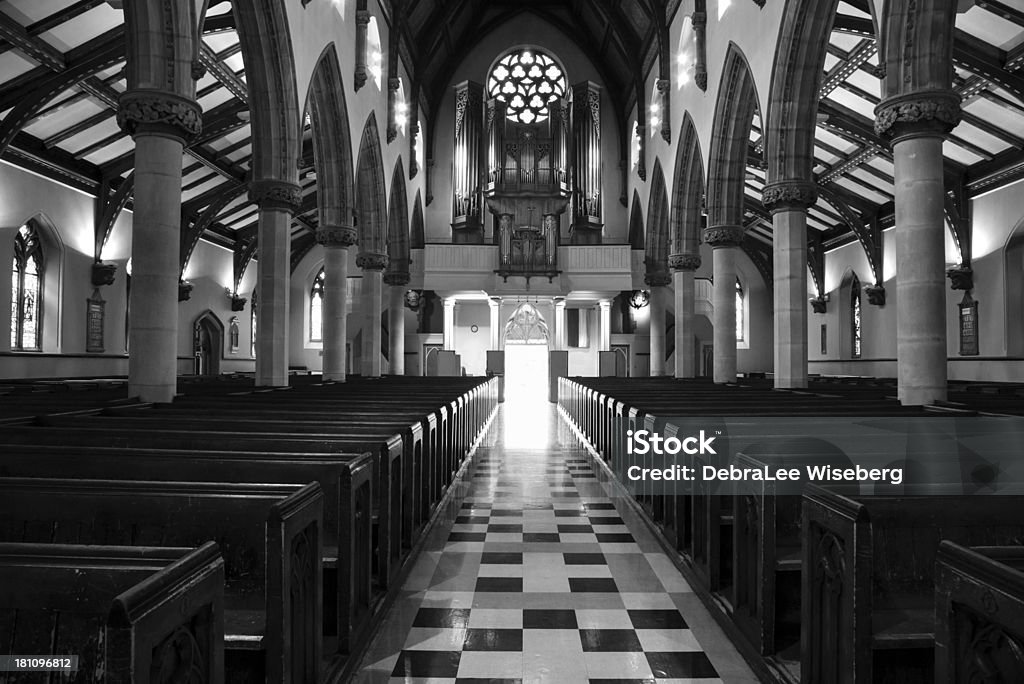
270	536
346	481
979	614
868	583
131	614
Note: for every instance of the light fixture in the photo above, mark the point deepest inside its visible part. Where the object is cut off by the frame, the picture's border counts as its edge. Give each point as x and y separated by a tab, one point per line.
639	299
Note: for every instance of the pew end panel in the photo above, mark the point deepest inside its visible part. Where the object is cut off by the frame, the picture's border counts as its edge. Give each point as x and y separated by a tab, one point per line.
979	614
131	614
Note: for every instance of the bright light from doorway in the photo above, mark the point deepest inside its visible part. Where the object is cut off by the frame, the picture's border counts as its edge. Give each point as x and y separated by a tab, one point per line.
528	423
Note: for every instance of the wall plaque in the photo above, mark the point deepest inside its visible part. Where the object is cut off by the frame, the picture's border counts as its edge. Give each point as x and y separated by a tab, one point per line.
94	308
968	326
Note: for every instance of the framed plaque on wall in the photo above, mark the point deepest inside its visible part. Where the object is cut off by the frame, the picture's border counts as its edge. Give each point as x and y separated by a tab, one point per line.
94	308
968	326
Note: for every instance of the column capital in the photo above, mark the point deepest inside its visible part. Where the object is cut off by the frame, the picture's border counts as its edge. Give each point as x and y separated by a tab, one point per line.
723	236
362	17
157	112
492	302
396	278
276	194
337	236
369	261
684	262
789	195
658	279
605	305
918	114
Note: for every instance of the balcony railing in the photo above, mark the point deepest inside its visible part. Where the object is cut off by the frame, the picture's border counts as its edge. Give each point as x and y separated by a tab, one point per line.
517	178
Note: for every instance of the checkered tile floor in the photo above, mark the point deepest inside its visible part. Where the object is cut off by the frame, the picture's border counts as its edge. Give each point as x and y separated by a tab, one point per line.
539	579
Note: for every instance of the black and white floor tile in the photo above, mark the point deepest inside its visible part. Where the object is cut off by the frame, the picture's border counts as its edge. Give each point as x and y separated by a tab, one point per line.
539	578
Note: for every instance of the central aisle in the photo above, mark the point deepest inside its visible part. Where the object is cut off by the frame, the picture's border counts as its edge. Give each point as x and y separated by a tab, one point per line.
535	577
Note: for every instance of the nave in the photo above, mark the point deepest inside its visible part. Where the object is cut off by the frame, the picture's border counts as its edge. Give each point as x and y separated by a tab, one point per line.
535	574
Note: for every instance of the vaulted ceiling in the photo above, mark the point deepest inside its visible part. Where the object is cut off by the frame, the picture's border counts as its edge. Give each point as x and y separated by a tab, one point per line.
75	48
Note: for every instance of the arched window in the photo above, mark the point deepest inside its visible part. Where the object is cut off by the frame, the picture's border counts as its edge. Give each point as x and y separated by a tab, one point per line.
316	308
741	313
252	338
686	57
527	81
855	318
26	290
374	53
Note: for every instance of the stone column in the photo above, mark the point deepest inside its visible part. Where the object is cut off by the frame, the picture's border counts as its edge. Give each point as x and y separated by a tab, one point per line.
336	241
683	267
725	240
917	124
495	306
278	201
605	329
361	71
449	323
159	123
788	202
657	283
373	266
560	325
396	320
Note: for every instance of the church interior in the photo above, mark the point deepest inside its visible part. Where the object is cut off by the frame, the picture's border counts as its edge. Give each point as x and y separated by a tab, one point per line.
375	295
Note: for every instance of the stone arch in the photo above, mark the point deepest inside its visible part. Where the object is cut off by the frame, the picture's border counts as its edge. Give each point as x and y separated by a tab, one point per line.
918	52
160	46
417	231
1014	298
371	194
398	223
793	101
636	223
332	143
656	243
734	111
275	119
688	198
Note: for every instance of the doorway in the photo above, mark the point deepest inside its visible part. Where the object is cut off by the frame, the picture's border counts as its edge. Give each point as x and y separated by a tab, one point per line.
526	379
207	344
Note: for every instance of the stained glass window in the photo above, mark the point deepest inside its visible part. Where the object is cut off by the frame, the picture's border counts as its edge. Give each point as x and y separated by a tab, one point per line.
26	282
740	313
855	318
316	309
252	338
527	81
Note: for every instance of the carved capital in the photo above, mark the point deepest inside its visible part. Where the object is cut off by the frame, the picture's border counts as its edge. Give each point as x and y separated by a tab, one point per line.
876	294
918	114
337	236
723	236
198	70
789	196
238	303
658	279
819	305
961	278
684	262
275	194
396	278
184	290
160	113
103	274
663	85
372	262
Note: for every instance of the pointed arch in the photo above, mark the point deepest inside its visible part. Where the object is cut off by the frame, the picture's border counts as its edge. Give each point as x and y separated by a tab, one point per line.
636	223
275	119
332	143
371	194
688	198
417	232
734	112
398	223
656	243
796	82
